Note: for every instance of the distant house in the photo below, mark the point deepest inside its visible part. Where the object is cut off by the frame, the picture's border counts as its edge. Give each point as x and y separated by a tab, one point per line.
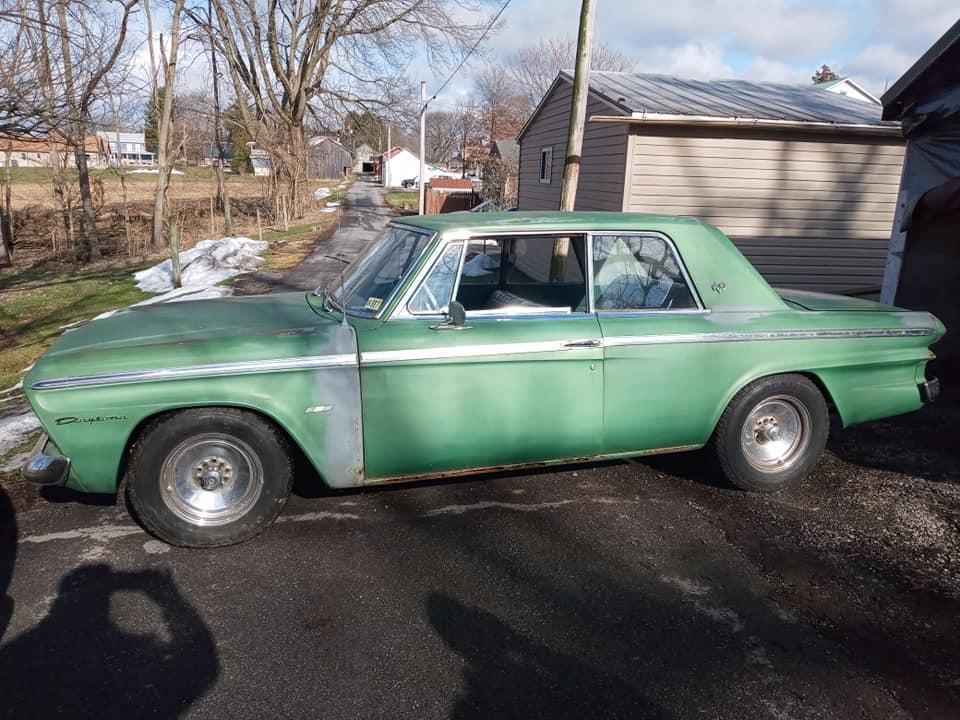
364	159
36	152
803	181
848	87
399	164
327	159
923	262
260	163
127	148
211	157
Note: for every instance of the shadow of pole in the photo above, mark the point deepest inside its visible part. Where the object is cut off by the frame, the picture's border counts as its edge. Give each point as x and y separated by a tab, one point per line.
509	676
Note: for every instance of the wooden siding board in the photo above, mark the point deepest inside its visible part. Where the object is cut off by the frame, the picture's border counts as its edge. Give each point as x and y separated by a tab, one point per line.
808	213
603	166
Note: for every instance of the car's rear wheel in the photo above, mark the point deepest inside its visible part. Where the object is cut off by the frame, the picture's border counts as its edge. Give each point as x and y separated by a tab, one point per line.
772	433
206	477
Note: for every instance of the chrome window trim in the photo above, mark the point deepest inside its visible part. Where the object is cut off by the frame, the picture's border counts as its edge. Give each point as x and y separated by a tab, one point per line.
190	372
522	310
662	312
465	236
676	256
439	256
386	304
400	310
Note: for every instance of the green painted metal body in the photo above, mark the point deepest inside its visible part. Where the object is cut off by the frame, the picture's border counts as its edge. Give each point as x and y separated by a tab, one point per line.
461	409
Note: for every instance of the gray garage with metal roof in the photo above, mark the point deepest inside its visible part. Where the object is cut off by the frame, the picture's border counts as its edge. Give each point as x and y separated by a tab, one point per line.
803	180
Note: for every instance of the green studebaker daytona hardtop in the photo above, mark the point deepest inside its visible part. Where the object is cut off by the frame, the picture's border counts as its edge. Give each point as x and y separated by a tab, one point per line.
468	342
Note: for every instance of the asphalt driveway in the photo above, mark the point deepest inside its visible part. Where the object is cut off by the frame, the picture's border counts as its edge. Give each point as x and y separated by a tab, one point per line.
625	590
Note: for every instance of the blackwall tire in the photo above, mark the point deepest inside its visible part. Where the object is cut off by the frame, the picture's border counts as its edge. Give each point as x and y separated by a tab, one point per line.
208	477
772	433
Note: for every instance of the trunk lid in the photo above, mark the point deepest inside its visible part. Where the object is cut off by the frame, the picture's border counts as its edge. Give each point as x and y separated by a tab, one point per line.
815	301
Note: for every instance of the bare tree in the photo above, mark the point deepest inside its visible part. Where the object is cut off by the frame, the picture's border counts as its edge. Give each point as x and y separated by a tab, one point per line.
92	37
501	106
291	59
468	128
165	151
534	68
442	134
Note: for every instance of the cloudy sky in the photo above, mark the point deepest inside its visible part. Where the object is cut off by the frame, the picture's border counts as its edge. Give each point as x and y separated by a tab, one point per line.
873	41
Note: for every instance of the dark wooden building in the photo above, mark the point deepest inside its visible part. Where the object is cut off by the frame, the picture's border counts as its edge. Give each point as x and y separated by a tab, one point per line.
327	159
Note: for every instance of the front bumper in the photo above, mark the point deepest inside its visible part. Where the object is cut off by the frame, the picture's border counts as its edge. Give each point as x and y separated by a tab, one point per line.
43	469
930	390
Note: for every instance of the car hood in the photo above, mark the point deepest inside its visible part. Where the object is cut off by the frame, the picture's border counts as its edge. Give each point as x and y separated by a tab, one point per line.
823	301
192	332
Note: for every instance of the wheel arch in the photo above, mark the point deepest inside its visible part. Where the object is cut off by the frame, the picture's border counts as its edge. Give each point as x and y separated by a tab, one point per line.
810	375
301	456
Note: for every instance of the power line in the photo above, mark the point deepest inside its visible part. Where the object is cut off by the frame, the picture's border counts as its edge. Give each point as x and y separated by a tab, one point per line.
466	57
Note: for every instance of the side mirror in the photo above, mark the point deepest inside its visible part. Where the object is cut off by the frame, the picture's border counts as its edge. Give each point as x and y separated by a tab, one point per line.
456	314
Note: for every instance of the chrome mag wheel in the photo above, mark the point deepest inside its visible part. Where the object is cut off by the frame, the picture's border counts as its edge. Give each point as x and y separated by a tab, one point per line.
211	479
775	434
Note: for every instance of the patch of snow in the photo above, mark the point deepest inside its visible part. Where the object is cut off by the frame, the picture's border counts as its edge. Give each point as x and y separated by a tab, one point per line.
330	209
321	193
333	204
480	265
155	547
206	264
16	428
15	462
153	171
12	388
71	326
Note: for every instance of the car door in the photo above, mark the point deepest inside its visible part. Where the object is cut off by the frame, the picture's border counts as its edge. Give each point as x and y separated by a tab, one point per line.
519	382
660	390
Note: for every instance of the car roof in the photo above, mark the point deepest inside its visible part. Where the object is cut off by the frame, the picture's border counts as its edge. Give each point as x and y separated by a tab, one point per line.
527	220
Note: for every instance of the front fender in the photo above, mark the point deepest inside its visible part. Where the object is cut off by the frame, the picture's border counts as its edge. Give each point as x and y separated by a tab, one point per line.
319	408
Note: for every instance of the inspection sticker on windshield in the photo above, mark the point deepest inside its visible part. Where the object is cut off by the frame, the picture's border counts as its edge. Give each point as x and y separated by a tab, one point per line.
373	303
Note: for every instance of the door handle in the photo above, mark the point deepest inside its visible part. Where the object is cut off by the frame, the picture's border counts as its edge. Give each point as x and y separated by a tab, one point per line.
582	344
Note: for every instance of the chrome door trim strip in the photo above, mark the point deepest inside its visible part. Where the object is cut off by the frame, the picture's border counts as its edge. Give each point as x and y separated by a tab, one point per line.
189	372
681	338
460	352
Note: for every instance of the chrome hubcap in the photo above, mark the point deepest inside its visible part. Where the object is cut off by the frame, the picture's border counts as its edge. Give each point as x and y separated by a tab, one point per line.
211	479
775	434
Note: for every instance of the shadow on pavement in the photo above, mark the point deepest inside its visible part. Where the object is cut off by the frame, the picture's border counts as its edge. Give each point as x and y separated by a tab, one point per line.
8	555
80	661
508	675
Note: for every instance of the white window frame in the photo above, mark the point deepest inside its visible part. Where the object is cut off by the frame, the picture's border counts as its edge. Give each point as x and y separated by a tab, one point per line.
546	164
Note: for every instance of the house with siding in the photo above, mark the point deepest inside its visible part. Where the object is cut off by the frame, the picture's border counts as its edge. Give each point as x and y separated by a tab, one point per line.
803	181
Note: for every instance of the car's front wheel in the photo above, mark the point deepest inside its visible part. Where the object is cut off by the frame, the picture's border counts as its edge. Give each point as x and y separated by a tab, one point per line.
206	477
772	433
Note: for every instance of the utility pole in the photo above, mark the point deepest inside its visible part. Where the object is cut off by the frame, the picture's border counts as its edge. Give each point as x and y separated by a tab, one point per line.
578	107
423	145
578	116
385	170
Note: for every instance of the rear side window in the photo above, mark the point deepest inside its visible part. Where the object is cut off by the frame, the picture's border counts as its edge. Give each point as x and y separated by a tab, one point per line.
638	272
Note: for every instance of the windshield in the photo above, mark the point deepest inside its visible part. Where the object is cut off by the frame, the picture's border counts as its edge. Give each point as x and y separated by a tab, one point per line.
372	278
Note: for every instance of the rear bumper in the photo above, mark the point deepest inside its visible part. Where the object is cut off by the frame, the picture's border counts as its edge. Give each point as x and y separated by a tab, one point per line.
43	469
930	390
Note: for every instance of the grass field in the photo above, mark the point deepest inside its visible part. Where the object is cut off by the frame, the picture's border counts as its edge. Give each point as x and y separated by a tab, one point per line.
403	200
31	186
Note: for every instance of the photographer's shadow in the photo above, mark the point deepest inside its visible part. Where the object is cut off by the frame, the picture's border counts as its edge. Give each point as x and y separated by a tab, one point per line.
79	662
